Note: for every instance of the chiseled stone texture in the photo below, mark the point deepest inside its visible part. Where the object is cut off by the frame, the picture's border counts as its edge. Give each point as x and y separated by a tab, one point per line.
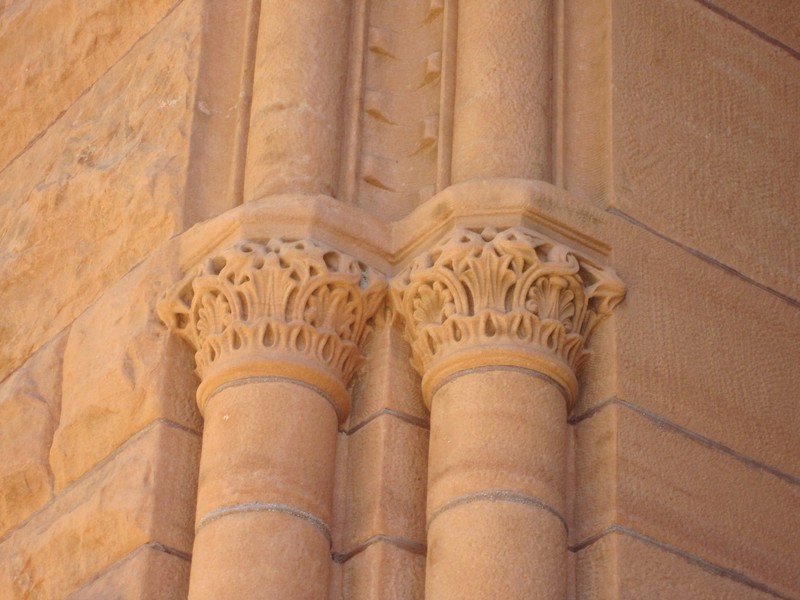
122	371
707	140
148	573
83	39
621	567
707	350
145	493
30	402
692	497
101	187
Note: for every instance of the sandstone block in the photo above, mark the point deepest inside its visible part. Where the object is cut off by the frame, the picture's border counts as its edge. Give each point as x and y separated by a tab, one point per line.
386	482
30	402
697	499
122	371
101	187
387	381
84	40
706	143
621	567
148	573
707	350
384	572
778	19
145	493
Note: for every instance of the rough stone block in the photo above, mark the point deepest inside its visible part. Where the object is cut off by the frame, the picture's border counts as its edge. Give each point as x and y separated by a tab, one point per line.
30	402
122	371
84	39
148	573
706	140
145	493
100	188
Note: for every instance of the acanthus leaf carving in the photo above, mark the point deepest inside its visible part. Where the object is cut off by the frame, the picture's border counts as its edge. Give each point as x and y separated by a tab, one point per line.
278	300
503	293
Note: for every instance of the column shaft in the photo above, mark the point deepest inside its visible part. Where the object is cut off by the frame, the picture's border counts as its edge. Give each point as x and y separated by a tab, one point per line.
497	461
265	493
296	115
503	99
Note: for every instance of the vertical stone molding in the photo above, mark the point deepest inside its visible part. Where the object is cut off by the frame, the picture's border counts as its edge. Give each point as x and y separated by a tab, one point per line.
277	326
502	111
298	94
498	322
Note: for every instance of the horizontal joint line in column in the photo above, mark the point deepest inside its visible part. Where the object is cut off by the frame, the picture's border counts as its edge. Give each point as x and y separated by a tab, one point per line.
271	379
514	368
498	496
402	543
251	507
704	564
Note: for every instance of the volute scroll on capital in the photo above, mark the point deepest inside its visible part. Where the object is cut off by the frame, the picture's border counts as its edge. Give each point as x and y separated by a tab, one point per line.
484	297
286	308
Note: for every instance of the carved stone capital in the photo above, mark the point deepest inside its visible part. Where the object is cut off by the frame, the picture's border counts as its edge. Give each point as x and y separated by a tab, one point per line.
279	308
510	297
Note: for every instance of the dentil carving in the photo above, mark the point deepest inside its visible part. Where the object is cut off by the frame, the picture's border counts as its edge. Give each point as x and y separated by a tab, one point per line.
276	302
511	296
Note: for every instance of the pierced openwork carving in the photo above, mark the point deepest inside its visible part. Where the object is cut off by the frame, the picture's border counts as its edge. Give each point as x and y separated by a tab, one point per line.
283	308
502	297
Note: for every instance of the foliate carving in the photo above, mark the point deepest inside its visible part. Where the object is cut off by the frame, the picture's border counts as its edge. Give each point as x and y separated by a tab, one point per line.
275	302
496	295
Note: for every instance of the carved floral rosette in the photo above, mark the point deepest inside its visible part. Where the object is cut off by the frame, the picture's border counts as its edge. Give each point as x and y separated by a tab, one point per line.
509	297
281	308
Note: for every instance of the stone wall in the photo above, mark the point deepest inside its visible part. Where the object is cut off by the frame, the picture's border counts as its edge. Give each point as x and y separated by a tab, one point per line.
658	138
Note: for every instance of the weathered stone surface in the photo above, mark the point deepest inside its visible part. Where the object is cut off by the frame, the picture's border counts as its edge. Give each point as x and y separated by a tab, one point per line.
707	350
121	372
30	402
148	573
706	139
83	38
145	493
99	189
682	493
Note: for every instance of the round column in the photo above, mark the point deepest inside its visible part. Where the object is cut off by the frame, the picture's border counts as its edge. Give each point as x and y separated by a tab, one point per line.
502	113
277	328
498	323
298	92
